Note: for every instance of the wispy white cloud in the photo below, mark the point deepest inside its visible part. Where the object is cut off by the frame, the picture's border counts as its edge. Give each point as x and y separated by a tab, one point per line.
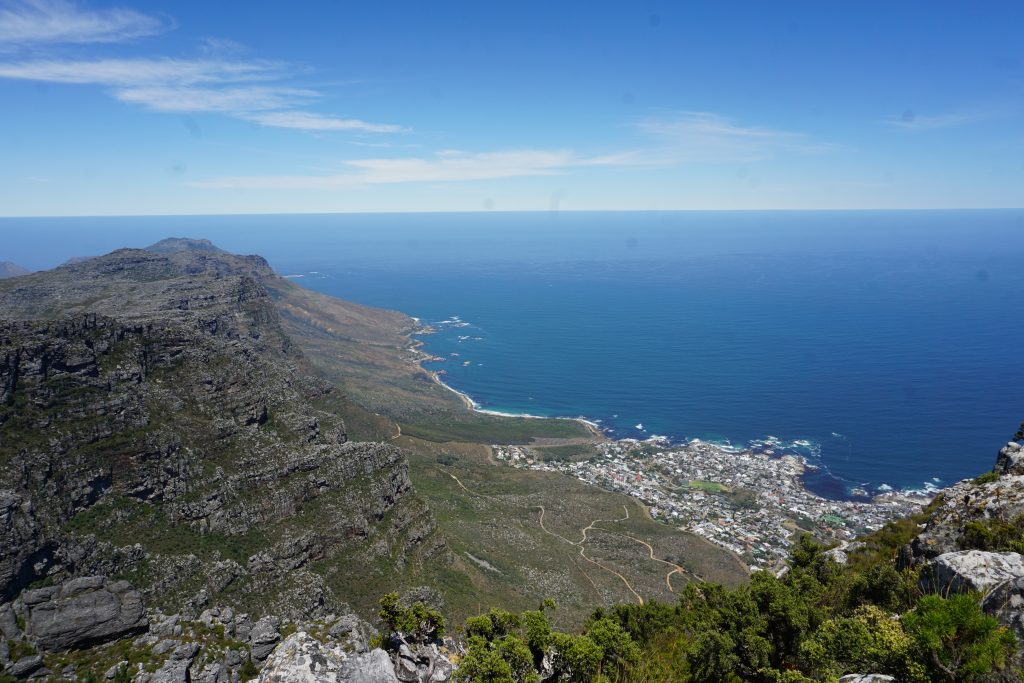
35	22
222	80
674	140
141	72
234	100
304	120
245	89
909	120
705	136
445	166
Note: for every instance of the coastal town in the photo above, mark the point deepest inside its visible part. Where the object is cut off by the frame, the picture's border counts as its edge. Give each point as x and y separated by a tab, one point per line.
751	502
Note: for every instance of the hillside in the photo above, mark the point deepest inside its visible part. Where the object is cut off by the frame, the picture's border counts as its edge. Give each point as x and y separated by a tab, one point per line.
158	424
505	552
8	269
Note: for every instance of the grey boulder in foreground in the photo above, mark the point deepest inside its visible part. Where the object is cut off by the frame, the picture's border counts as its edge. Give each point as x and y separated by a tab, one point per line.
970	570
303	659
1006	603
83	612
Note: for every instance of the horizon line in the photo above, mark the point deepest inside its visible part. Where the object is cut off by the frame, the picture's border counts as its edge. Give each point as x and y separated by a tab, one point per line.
507	211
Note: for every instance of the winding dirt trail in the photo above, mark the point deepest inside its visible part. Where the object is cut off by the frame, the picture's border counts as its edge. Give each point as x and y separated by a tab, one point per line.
675	568
583	553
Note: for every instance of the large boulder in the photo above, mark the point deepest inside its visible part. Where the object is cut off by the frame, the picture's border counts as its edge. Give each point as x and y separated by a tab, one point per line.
1006	603
303	659
265	636
969	570
83	612
422	663
175	669
866	678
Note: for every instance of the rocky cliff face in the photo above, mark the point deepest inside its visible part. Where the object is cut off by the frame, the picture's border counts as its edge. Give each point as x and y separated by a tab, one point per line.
973	540
973	514
157	423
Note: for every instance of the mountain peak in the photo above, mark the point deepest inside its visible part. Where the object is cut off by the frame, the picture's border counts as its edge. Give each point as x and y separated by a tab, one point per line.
8	269
172	245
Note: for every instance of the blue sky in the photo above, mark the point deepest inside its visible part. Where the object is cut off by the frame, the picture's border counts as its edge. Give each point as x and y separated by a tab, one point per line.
250	107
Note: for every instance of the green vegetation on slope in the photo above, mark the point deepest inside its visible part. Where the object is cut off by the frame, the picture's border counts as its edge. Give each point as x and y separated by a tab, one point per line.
817	622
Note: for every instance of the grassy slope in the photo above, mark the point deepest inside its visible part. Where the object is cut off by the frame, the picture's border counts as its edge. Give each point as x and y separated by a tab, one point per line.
490	514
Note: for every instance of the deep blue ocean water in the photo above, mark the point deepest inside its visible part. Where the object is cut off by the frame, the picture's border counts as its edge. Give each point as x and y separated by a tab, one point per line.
884	346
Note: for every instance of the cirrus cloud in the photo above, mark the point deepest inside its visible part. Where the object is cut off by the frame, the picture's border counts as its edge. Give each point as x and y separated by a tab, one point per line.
705	136
254	90
304	120
444	166
34	22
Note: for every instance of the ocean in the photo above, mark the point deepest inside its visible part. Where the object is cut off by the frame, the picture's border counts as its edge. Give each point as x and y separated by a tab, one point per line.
886	347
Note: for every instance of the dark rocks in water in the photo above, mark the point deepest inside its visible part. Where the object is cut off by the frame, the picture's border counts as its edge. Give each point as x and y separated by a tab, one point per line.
83	612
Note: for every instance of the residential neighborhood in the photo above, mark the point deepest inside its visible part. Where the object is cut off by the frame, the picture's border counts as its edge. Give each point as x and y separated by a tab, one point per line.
751	502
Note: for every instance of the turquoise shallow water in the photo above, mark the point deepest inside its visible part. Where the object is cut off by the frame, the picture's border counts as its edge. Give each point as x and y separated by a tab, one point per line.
886	347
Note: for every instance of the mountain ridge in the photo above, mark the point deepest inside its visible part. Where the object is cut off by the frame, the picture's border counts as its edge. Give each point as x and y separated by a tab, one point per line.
10	269
171	393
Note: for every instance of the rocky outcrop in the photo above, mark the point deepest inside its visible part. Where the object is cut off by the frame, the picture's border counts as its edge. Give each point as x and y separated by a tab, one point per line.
1006	602
866	678
421	663
19	536
265	636
82	612
1011	458
176	668
996	499
303	659
985	512
969	571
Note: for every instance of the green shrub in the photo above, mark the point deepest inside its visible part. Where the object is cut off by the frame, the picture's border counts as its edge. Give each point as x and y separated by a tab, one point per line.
994	534
417	623
248	670
987	478
955	640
